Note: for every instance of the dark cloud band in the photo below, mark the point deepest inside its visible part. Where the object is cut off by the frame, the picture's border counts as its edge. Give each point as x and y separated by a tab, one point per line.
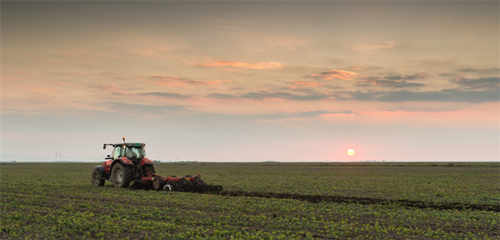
165	94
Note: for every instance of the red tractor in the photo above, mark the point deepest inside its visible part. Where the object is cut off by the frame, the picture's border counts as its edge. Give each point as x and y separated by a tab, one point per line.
129	163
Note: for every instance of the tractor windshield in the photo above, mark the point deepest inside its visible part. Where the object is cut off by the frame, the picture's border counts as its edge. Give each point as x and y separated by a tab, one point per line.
134	152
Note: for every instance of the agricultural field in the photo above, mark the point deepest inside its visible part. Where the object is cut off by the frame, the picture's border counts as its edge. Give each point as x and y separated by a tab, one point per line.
260	201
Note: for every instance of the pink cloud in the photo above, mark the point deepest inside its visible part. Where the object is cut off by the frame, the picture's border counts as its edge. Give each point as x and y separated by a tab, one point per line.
338	114
308	83
373	47
362	68
330	75
204	83
177	81
356	68
260	66
166	78
110	87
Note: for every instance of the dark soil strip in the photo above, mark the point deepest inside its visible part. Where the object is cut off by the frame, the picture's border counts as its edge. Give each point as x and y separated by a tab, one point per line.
366	201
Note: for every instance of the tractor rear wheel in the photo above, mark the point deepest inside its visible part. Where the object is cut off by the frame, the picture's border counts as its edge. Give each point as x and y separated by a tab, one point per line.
148	169
121	175
158	183
97	179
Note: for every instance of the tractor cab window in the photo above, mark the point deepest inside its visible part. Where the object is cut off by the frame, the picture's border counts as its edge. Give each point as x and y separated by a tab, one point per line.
134	152
116	152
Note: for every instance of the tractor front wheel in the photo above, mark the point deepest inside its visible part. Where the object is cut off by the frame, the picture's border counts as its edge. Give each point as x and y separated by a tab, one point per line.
97	179
121	175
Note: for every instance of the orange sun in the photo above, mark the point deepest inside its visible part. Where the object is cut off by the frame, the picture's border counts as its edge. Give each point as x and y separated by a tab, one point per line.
350	152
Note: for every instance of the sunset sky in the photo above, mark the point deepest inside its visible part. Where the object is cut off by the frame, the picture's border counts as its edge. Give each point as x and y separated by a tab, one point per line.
252	81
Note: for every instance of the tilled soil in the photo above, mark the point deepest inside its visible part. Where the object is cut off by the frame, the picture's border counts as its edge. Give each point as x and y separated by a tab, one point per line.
360	200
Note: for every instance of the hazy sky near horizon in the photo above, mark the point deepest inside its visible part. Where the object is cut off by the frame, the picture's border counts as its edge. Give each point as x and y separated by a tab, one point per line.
253	80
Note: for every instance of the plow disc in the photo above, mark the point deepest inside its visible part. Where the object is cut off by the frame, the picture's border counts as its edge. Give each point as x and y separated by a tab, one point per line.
187	183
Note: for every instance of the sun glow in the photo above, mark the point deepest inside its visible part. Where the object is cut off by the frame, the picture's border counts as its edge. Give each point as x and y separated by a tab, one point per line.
350	152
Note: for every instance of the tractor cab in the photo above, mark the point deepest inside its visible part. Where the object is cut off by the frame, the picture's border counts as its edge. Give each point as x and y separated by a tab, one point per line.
132	151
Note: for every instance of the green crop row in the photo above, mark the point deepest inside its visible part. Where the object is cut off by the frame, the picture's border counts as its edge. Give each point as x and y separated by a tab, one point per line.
51	201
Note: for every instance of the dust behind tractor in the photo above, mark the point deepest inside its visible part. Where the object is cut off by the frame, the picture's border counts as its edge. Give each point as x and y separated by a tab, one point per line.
128	163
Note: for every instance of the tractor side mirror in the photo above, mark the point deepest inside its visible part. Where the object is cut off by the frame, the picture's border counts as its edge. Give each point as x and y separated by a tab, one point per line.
104	146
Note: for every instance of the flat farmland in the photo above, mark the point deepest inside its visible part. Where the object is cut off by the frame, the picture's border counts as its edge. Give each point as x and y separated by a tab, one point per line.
260	201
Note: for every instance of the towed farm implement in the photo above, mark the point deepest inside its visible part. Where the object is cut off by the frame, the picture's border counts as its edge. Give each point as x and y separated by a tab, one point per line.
128	163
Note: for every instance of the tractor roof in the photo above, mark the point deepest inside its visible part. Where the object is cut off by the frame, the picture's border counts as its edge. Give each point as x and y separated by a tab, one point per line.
125	144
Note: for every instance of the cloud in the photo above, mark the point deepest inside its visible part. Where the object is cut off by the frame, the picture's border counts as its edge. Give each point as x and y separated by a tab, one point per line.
303	86
339	113
280	116
355	68
445	95
393	81
371	48
408	77
166	78
109	87
360	68
447	74
150	51
430	109
260	66
298	89
482	70
330	75
177	81
284	115
478	83
336	87
271	117
387	83
308	83
204	82
222	96
285	96
263	95
140	108
165	95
